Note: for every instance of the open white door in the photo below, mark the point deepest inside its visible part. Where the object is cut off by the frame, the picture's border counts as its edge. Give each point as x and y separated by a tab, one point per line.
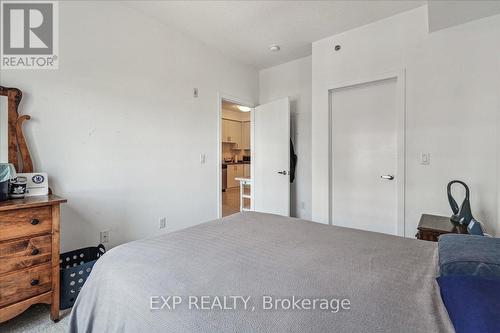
271	157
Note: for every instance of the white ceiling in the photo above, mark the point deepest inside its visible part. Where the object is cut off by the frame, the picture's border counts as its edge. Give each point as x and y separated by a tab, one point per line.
244	30
226	105
444	14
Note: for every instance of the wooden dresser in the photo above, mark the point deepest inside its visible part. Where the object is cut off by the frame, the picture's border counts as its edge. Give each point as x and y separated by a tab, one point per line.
29	254
431	227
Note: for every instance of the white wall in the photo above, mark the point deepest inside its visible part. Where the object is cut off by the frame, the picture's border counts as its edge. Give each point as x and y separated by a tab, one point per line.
452	100
293	79
111	126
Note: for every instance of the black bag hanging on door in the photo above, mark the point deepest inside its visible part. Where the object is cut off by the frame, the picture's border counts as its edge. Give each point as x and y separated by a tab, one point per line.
293	162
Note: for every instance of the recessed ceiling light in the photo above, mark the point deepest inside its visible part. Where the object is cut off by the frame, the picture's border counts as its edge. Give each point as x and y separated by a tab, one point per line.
244	108
274	48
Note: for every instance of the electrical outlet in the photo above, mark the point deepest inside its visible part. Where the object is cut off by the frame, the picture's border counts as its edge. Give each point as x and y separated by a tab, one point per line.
163	222
195	92
104	236
203	158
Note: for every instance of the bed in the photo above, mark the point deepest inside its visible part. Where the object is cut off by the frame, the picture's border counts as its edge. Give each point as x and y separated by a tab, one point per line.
389	281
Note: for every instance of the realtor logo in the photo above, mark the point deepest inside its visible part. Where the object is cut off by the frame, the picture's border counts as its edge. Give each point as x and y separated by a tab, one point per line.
29	35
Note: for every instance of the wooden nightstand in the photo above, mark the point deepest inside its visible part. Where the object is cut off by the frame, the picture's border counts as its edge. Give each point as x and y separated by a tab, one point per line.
431	226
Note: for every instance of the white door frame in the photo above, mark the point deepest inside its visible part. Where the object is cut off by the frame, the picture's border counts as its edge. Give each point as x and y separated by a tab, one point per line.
240	101
400	76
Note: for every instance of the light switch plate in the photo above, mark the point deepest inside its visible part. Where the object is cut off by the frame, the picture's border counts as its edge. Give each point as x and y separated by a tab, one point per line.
425	158
104	236
163	222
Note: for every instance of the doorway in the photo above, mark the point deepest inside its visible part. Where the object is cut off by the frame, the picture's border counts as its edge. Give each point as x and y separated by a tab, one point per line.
254	157
367	155
235	152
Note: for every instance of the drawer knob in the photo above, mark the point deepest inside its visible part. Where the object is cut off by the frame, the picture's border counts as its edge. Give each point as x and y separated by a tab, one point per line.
35	221
34	282
34	252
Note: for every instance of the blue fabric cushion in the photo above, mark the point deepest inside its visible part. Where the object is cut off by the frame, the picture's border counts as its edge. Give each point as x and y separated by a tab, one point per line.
469	255
473	303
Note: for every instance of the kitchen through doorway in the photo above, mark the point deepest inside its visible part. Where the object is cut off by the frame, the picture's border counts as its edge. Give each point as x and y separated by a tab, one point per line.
235	147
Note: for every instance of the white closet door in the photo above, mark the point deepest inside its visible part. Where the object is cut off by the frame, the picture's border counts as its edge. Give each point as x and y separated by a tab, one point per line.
365	156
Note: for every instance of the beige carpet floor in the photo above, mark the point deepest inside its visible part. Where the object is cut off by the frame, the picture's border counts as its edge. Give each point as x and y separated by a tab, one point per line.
36	320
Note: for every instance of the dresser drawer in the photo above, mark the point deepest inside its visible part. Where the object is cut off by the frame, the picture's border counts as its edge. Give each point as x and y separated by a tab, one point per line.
24	253
25	222
24	284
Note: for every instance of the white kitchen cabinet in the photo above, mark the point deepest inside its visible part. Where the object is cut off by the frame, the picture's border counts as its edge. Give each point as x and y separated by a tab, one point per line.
234	171
235	132
246	170
231	131
245	135
224	130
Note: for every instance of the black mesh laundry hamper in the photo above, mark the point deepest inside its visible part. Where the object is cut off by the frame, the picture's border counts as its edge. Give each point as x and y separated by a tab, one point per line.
75	267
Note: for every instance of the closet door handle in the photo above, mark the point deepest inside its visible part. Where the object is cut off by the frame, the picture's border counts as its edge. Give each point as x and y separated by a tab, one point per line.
34	282
34	252
282	172
35	221
388	177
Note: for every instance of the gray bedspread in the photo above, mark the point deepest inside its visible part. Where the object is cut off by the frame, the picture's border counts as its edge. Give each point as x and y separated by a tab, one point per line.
389	281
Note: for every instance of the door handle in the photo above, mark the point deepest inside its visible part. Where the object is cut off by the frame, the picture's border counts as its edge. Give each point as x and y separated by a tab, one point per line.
282	172
388	177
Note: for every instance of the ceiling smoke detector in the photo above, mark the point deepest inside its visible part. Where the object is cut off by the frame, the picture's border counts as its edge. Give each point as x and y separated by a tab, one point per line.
274	48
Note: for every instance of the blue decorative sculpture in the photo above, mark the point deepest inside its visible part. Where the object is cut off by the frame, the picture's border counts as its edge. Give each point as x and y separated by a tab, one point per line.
462	215
475	228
